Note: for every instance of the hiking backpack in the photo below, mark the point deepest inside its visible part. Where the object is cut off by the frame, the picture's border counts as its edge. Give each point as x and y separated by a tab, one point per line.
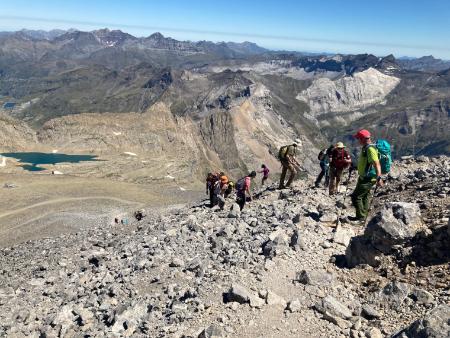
240	184
384	155
282	152
339	162
321	155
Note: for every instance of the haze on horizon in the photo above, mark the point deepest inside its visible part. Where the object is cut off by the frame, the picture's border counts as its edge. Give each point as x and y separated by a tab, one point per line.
403	28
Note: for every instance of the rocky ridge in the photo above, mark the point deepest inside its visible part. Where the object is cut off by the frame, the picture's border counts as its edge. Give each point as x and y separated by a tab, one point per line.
276	269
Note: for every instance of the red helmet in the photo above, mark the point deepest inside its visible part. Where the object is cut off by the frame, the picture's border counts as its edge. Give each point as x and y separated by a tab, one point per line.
362	134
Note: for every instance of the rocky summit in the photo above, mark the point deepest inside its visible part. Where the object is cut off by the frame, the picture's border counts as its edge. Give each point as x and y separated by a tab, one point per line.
285	266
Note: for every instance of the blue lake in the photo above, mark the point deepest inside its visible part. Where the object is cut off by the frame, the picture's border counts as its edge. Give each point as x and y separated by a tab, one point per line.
32	160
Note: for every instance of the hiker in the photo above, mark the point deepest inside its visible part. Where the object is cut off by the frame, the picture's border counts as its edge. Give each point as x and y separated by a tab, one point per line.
229	189
339	161
210	181
367	178
219	190
286	155
243	187
265	171
324	158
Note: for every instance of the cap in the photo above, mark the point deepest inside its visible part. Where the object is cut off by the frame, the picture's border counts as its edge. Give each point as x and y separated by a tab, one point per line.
362	134
340	145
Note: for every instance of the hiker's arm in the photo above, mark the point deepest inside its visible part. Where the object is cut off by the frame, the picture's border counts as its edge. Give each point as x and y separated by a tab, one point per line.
249	193
378	170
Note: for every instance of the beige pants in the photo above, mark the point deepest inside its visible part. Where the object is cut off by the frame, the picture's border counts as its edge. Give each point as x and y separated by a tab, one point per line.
335	179
287	166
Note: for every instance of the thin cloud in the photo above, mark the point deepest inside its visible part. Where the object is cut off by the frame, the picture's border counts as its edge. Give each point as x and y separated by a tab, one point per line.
223	33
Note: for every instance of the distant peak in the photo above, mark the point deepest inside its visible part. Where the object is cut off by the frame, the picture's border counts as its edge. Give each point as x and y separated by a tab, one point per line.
156	36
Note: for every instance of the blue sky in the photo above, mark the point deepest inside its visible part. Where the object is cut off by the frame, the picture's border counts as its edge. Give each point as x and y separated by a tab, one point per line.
381	27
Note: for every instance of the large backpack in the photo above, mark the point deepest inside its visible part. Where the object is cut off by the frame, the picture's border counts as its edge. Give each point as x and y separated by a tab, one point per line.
240	184
321	155
339	158
282	152
384	154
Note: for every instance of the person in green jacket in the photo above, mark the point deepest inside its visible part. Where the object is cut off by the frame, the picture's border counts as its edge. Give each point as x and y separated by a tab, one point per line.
367	159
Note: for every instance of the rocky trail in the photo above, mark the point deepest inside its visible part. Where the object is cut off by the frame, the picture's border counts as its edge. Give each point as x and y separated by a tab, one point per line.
280	268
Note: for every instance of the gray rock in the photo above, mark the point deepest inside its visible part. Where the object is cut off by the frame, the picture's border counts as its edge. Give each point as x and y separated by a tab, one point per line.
333	307
373	332
314	277
395	292
274	299
394	225
212	331
239	294
343	236
276	245
435	324
421	296
235	212
369	312
361	251
294	306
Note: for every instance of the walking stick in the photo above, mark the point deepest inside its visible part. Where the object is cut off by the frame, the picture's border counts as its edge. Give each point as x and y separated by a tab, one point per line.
350	172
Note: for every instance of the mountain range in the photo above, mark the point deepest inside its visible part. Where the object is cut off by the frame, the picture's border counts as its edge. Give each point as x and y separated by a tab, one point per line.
227	105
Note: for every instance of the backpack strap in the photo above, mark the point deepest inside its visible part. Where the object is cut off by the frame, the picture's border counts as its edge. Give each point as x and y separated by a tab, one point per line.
369	166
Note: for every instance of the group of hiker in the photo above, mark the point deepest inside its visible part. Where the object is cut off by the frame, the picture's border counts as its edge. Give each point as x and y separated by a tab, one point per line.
373	162
219	187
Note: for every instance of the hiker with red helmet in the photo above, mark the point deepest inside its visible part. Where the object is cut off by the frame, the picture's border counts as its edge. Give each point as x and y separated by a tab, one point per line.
368	159
339	161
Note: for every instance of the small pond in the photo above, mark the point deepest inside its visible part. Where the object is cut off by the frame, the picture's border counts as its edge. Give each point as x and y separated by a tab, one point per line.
32	161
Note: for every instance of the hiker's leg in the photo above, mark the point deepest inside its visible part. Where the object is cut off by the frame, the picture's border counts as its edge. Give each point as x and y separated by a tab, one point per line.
321	174
332	186
361	198
221	201
211	198
283	175
327	175
293	173
366	198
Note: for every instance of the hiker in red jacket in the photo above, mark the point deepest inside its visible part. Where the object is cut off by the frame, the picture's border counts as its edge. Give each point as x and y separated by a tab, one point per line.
339	161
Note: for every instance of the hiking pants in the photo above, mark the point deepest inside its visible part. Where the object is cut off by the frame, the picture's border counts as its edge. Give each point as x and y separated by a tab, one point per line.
264	179
287	166
211	197
240	199
335	179
360	197
323	172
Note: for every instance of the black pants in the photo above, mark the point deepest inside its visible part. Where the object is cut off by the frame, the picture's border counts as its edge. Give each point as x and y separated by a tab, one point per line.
211	198
323	172
240	199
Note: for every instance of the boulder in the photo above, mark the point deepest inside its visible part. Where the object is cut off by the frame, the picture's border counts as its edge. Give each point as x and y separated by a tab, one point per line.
330	305
343	236
314	277
434	324
278	244
360	251
238	293
396	224
395	292
212	331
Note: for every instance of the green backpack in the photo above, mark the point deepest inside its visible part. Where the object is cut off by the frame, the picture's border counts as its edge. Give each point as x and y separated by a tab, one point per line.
384	154
282	152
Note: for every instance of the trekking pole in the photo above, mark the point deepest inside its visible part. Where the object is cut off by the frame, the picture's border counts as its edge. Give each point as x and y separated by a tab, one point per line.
350	172
370	204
